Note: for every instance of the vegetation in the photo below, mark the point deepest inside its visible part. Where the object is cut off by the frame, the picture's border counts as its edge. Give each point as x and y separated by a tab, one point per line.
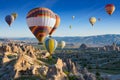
105	61
50	60
66	72
72	77
29	78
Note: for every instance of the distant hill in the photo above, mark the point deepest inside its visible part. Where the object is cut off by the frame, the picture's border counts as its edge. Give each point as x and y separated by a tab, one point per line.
91	40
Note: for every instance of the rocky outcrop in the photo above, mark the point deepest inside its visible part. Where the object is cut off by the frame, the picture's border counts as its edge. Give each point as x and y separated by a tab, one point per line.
45	55
5	59
26	63
17	48
72	69
55	72
67	70
88	75
25	60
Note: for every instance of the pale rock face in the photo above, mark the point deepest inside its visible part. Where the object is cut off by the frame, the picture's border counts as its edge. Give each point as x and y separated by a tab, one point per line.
35	70
15	49
43	70
25	64
72	69
55	72
7	48
5	59
71	66
45	55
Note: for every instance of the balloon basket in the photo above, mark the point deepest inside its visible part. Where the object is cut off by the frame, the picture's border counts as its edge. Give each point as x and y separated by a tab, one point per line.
50	36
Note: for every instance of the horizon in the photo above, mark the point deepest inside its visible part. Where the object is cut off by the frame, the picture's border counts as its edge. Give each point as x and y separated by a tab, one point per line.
65	36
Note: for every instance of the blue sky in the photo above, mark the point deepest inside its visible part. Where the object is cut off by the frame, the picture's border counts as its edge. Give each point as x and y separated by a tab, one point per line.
81	9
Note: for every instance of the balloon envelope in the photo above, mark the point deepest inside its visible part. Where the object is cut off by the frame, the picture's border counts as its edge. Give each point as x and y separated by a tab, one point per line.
70	26
50	45
62	44
56	25
110	8
73	17
92	20
99	19
14	15
9	19
40	22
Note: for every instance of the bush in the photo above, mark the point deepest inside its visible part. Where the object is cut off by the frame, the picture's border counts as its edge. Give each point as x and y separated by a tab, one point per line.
89	67
66	72
97	74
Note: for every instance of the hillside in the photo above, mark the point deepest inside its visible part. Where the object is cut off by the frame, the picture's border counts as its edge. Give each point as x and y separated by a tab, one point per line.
92	40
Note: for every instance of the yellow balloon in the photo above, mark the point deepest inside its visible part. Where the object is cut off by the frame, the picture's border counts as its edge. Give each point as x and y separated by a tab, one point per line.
92	20
50	44
14	15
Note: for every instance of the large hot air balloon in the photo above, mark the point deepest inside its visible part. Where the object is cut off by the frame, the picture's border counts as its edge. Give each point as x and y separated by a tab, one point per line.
62	44
9	19
14	15
40	22
50	45
92	20
56	25
110	8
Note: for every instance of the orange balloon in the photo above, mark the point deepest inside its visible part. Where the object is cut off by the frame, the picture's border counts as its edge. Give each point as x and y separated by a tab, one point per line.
56	25
110	8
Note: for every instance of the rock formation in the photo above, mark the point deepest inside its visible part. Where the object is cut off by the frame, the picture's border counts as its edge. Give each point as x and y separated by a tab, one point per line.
55	72
19	60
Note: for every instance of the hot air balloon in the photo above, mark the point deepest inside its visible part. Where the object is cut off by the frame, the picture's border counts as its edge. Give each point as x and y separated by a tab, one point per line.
50	45
73	17
99	19
110	8
56	25
62	44
92	20
14	15
40	22
9	19
70	26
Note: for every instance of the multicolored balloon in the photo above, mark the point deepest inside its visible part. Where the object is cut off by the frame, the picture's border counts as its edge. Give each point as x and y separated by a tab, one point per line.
56	25
50	45
92	20
110	8
40	22
9	19
14	15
